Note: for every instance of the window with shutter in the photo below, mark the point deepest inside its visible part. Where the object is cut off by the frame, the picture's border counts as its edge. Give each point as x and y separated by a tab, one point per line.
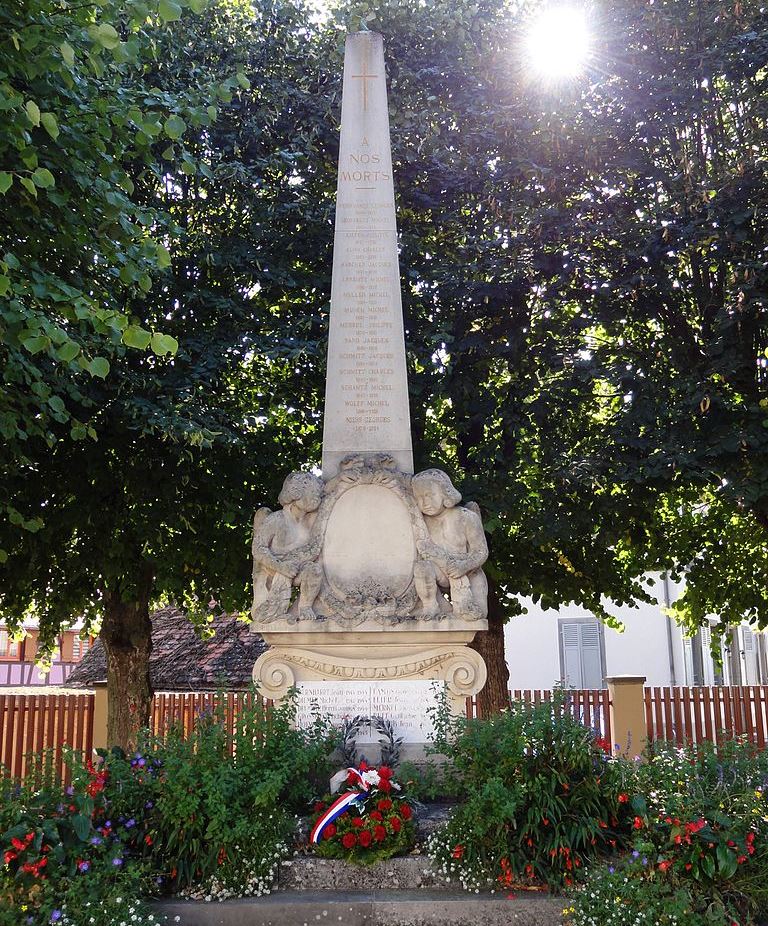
749	645
582	656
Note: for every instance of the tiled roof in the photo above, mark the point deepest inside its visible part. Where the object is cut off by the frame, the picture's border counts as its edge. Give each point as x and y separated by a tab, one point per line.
180	660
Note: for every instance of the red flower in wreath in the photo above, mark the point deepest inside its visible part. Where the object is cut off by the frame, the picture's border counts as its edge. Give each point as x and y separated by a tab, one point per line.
365	838
395	824
379	833
358	823
349	840
330	831
376	815
405	811
385	804
385	772
319	806
385	785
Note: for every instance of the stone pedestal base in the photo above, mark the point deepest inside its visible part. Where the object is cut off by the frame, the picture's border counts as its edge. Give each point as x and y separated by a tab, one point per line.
442	656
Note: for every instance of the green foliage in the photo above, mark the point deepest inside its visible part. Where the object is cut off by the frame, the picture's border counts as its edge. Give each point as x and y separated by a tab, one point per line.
431	781
220	814
542	798
65	859
75	241
702	820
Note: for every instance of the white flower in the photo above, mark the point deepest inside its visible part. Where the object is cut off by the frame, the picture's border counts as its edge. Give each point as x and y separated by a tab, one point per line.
371	777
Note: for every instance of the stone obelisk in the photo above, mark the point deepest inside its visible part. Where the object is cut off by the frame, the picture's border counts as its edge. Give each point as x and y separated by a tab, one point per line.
366	399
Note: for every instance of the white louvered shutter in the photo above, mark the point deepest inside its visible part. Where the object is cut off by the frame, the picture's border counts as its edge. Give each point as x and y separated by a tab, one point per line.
571	655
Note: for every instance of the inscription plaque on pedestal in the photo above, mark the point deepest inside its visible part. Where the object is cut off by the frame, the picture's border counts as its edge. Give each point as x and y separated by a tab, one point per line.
404	704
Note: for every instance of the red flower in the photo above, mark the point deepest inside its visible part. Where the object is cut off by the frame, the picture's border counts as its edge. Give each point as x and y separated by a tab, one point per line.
458	851
358	822
638	823
385	785
376	815
349	840
148	840
365	838
9	856
379	833
18	844
319	806
385	772
330	831
396	824
663	866
385	804
623	798
405	811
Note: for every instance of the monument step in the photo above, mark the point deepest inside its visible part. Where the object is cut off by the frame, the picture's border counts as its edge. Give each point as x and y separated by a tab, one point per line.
310	873
370	908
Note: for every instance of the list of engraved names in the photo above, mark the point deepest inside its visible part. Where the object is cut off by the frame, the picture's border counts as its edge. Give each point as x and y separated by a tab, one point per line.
368	282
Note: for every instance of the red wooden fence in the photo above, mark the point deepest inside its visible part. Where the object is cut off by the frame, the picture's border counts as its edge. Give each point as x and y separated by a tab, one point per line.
36	722
692	715
183	709
591	706
31	723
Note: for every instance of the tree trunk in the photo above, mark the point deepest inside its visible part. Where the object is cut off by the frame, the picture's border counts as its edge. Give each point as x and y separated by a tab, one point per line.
494	697
127	636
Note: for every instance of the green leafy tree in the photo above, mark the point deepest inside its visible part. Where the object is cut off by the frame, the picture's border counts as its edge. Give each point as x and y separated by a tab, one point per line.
159	503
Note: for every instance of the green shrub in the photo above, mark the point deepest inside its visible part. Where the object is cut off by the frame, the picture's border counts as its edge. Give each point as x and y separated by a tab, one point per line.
223	816
543	797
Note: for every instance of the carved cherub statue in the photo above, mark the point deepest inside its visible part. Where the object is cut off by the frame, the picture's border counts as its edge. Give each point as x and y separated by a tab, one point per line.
455	552
285	553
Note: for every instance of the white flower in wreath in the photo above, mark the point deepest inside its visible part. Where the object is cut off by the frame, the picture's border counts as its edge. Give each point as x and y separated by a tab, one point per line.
371	777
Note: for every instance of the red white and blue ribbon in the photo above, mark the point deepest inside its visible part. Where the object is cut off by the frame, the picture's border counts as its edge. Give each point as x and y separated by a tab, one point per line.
340	806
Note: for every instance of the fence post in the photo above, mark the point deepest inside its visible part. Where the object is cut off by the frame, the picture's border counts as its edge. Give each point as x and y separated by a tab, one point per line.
100	707
628	724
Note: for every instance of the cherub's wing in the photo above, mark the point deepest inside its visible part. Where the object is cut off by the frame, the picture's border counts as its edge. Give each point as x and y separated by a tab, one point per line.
474	507
258	520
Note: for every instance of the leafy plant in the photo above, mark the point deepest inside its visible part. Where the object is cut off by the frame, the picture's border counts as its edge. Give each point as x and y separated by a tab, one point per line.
542	798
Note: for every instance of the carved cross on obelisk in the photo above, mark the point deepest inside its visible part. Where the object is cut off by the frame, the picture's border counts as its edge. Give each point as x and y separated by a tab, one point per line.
365	76
366	393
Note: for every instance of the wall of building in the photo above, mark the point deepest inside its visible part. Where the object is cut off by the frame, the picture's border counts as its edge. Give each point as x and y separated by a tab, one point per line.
533	644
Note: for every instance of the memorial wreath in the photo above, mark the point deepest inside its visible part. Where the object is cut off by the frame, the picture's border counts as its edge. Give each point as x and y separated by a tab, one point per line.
368	821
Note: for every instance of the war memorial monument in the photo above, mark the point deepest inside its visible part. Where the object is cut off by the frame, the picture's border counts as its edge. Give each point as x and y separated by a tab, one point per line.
368	581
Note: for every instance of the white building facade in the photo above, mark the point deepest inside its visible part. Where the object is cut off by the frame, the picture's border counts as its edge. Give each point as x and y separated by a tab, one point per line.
572	648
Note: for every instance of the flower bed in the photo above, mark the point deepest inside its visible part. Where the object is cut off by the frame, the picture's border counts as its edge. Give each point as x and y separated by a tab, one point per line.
698	842
179	815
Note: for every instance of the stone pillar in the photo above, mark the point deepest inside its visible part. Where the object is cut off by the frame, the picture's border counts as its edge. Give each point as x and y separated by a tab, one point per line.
628	724
100	708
